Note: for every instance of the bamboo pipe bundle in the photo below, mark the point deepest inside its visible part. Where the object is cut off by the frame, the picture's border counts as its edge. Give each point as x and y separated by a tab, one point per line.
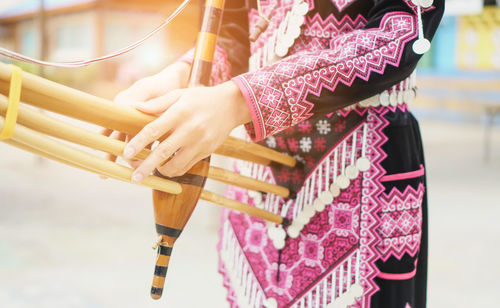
57	98
39	144
62	130
205	195
165	203
78	157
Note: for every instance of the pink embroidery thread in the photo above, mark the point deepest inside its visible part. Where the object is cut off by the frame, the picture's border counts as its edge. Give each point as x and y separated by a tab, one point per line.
401	227
404	176
341	4
323	244
276	95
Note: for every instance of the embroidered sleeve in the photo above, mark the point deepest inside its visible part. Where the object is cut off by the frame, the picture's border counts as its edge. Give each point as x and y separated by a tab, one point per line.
357	65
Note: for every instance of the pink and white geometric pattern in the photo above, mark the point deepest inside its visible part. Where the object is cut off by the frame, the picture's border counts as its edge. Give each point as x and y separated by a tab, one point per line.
401	227
341	4
318	32
276	94
350	223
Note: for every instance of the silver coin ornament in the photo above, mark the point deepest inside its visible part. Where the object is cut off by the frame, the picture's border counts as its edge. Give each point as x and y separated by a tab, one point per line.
302	8
343	182
384	98
409	96
363	164
293	33
393	98
319	205
352	172
302	219
366	102
271	232
356	290
293	231
279	244
326	197
421	46
281	50
339	302
425	3
335	190
309	211
400	97
271	303
277	234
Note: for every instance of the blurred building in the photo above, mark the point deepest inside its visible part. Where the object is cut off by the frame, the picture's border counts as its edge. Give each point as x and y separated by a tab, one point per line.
81	29
468	39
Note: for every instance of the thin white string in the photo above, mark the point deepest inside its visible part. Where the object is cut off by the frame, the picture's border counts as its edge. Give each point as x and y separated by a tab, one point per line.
327	173
79	63
344	153
420	24
320	178
363	149
354	147
325	291
334	286
335	167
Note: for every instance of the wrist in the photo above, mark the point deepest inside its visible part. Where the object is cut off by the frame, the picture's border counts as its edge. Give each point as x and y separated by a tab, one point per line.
238	105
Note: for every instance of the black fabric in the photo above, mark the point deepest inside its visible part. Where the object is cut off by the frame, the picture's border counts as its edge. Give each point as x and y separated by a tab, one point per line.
234	39
404	154
403	148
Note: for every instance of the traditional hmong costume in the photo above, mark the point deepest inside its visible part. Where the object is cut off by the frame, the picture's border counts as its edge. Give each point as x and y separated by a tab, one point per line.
329	82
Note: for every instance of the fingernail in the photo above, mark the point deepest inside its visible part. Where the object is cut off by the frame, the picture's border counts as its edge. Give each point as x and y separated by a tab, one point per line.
129	152
137	177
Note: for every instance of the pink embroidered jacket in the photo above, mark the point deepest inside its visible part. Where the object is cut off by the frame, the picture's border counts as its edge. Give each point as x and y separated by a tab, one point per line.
327	82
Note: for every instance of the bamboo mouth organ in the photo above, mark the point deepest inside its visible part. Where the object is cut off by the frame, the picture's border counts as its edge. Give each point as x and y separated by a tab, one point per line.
32	130
174	199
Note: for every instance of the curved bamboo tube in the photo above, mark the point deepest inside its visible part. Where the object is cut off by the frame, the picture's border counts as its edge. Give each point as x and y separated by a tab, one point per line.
55	97
65	152
62	130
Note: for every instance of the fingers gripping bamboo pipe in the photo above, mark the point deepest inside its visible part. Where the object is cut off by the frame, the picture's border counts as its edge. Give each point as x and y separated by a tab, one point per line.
78	157
205	195
55	97
62	130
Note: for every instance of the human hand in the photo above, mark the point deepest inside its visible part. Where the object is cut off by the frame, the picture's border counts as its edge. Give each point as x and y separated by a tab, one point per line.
174	76
197	120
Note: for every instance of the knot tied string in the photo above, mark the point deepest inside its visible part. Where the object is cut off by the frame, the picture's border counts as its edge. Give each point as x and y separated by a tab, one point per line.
13	105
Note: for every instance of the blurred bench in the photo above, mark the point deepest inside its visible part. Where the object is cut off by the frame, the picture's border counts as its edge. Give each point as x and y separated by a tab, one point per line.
480	89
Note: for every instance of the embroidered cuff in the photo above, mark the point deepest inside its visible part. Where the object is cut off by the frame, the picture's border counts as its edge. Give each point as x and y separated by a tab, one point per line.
256	129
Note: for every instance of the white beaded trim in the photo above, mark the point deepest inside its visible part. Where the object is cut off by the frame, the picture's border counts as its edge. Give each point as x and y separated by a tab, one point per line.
243	281
339	289
313	198
280	42
404	92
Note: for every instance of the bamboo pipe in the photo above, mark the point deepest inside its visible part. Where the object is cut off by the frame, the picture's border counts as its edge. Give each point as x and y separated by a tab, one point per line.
62	130
243	208
205	195
55	97
32	150
78	157
173	212
236	179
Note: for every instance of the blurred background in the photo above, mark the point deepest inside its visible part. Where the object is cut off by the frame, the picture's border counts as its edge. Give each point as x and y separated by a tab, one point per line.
69	239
